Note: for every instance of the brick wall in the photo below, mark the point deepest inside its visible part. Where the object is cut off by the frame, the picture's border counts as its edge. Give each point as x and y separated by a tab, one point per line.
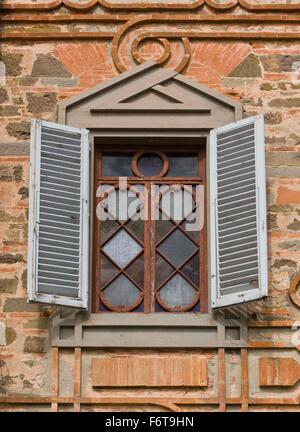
48	61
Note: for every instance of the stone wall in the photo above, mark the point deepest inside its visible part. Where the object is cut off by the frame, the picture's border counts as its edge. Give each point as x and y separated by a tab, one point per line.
53	53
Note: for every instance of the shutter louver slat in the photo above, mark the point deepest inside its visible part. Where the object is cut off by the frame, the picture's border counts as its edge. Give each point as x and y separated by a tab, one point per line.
239	250
58	235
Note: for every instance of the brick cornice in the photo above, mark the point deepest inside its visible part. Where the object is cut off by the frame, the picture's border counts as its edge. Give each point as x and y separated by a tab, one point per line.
98	18
140	5
159	27
272	22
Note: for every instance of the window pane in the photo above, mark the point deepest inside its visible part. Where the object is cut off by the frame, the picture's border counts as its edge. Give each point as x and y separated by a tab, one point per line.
122	248
162	227
191	269
177	292
176	203
116	164
121	292
183	164
194	234
118	204
150	164
107	228
177	247
137	227
163	270
136	270
107	270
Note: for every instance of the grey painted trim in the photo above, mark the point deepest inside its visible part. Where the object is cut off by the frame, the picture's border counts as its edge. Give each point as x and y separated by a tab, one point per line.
62	114
110	83
154	76
15	149
173	108
148	331
91	219
171	95
207	90
208	216
137	86
169	133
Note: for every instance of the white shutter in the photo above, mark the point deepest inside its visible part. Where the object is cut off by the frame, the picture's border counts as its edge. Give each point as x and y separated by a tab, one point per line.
238	213
58	215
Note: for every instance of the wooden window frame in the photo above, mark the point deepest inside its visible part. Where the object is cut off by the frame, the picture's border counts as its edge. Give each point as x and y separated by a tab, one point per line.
139	149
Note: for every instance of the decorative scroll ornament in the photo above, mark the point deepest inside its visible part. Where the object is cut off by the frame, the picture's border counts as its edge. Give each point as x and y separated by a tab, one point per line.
164	59
129	34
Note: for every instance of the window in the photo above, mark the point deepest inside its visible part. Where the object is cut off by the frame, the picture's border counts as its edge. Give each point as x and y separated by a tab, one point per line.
147	264
152	256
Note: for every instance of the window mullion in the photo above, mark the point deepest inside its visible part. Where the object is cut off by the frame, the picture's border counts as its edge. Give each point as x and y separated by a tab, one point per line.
148	253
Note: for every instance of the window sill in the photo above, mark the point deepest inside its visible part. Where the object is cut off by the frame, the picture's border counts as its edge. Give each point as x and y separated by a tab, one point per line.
172	330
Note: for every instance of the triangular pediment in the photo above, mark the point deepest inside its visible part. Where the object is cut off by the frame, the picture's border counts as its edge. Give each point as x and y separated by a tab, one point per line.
147	89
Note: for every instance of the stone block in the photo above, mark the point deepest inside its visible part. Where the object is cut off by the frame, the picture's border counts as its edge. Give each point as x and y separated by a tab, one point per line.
41	102
21	305
6	258
34	344
12	63
280	62
20	130
9	285
248	68
48	66
2	333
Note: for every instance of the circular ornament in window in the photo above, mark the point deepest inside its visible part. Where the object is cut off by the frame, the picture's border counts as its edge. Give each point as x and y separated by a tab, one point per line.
150	164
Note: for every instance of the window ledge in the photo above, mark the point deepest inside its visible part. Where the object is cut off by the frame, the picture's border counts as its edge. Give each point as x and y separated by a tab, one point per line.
157	330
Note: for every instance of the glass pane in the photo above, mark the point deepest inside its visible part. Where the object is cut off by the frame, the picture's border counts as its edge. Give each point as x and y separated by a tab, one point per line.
122	248
177	292
116	164
162	271
107	270
119	204
191	269
137	226
162	227
177	203
177	247
107	227
121	292
194	234
183	164
150	164
136	270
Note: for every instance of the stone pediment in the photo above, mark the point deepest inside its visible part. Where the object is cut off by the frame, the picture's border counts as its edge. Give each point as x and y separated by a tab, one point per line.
149	96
